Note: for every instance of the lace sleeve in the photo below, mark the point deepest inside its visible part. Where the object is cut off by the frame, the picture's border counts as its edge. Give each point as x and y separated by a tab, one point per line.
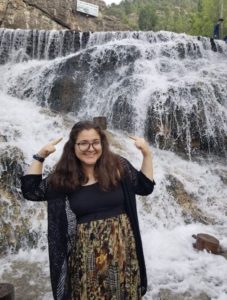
140	183
33	187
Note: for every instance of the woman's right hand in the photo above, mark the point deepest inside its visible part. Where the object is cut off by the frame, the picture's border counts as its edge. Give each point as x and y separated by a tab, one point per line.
49	148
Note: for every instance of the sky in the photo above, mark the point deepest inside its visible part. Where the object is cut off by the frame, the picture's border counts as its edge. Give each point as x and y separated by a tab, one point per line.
108	2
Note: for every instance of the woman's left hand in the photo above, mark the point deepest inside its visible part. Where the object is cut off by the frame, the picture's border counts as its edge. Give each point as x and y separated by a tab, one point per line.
147	165
141	144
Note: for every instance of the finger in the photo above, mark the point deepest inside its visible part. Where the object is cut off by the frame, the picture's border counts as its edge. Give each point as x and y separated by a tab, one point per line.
55	142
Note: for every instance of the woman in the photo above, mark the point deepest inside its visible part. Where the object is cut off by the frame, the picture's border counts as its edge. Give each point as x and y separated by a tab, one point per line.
95	247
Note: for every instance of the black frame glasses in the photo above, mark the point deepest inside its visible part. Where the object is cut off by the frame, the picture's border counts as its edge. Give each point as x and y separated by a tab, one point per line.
85	145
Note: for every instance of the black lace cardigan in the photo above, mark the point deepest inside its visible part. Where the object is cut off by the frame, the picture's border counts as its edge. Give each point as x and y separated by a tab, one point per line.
62	222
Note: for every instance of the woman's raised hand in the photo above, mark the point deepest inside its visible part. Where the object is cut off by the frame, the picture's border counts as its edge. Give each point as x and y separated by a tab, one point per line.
147	165
141	144
49	148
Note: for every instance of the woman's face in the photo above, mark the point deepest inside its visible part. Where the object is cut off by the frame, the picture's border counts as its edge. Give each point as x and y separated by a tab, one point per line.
88	148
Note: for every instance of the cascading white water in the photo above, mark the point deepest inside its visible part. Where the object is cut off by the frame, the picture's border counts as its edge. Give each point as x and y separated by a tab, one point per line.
155	84
131	78
21	45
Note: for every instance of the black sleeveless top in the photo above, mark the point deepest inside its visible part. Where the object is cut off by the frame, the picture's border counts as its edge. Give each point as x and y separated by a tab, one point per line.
90	203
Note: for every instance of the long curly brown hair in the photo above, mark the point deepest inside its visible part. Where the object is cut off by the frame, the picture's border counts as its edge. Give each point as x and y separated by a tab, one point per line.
68	173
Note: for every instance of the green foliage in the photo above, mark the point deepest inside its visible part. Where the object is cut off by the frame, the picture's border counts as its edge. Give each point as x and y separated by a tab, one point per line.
195	17
147	18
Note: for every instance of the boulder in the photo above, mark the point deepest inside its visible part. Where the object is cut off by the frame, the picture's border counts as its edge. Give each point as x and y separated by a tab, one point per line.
12	164
187	203
15	217
185	132
166	294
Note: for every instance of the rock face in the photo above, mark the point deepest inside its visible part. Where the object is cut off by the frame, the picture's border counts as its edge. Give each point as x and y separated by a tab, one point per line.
190	211
58	14
15	219
166	132
70	82
166	294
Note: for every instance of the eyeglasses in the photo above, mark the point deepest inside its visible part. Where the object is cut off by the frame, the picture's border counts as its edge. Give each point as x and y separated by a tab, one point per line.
85	145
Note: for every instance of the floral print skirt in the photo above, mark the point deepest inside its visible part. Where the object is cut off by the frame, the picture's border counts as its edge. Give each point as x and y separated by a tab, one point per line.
104	265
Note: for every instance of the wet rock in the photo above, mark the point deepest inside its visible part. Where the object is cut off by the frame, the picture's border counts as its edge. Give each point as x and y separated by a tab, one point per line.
3	138
166	294
193	50
223	175
7	291
8	134
68	87
16	223
15	218
181	50
16	230
119	117
12	164
224	253
170	127
190	211
30	280
66	94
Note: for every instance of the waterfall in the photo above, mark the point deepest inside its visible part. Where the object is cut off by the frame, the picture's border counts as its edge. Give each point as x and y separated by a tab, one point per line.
170	88
21	45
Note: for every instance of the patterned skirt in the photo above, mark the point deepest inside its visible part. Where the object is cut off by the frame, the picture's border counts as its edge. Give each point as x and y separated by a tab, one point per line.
104	265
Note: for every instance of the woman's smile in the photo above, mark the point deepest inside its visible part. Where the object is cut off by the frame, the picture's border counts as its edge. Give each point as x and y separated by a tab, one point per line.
88	148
